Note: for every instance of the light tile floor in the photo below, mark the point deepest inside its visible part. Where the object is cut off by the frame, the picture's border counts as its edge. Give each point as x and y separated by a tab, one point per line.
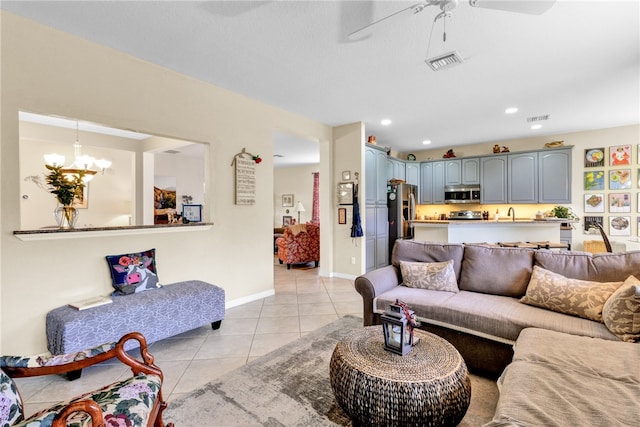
303	301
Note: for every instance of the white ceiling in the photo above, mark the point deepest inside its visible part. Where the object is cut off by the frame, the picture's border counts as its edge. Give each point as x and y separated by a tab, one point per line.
578	62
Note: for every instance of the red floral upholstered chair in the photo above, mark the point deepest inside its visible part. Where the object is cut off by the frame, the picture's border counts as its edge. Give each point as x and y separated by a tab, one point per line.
135	401
299	244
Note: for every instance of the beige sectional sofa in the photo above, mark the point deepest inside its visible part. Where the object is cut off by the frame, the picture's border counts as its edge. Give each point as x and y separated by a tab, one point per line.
484	317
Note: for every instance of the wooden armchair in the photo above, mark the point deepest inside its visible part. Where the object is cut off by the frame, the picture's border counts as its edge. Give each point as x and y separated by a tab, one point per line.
135	401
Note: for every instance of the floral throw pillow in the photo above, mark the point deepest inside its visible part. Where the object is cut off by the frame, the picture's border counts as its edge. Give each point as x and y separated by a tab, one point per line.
135	272
621	312
436	276
580	298
11	410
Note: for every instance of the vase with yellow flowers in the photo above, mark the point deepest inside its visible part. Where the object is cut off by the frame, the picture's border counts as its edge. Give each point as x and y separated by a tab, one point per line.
66	188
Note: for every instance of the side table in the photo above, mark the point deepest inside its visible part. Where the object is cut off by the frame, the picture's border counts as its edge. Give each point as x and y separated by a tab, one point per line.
430	386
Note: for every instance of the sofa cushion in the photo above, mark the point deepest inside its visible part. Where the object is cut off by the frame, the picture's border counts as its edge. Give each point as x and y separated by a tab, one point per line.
467	311
576	297
607	267
438	276
498	271
621	312
134	272
417	251
560	379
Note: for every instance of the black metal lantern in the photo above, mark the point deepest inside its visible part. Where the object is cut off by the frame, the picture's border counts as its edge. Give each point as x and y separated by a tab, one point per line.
398	335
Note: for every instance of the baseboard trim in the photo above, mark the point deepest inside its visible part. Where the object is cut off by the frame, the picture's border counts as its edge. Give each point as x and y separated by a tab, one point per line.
249	298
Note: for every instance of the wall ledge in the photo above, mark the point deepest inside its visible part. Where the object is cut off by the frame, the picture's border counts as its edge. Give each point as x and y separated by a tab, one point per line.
77	233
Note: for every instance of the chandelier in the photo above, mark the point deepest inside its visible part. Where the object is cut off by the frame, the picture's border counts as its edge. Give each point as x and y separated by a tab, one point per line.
81	163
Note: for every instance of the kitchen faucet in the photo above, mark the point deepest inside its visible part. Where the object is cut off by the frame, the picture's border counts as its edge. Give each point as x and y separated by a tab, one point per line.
511	212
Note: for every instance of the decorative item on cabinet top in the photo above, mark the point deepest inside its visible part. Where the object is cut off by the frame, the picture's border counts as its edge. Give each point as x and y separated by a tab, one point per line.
411	156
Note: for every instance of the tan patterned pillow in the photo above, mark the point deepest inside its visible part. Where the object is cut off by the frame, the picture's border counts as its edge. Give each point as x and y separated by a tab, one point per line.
621	312
436	276
580	298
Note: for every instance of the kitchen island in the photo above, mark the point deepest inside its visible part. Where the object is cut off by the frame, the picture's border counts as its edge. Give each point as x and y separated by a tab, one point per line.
481	231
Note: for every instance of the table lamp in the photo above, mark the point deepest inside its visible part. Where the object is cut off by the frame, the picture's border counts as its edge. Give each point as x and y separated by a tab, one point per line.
300	208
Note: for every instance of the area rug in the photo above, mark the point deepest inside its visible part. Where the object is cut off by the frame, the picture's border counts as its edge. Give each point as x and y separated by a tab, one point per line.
290	387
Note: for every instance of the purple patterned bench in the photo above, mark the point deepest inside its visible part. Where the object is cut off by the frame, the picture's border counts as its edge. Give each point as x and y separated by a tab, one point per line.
157	314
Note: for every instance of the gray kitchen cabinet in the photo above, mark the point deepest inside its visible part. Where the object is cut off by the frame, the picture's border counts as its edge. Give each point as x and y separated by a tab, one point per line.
471	171
395	169
452	172
554	176
412	173
462	171
426	183
377	167
375	163
493	179
432	178
522	178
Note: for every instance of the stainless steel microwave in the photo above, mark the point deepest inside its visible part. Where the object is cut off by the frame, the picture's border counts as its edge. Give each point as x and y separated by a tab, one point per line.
462	194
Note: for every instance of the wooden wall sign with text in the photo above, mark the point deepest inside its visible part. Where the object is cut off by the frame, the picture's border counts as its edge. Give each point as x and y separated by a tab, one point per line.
245	178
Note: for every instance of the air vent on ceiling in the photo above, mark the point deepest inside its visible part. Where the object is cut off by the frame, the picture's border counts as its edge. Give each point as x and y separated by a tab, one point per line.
446	60
172	152
278	155
538	118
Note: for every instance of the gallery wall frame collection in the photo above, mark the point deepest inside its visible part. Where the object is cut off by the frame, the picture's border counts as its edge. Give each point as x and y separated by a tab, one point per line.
608	185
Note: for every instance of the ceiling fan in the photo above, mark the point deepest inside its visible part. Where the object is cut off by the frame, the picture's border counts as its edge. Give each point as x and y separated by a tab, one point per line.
531	7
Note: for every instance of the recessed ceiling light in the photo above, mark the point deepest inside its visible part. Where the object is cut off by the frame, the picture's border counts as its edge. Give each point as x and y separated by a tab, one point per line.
511	110
534	127
385	122
426	142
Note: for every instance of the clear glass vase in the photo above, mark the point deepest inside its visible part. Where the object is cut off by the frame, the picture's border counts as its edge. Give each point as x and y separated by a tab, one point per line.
66	216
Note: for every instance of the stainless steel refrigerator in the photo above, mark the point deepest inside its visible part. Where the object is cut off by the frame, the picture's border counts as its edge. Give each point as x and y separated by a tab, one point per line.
401	201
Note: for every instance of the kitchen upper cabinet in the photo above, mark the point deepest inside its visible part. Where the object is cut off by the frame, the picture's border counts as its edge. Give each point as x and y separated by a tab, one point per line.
471	171
432	183
523	178
426	183
395	169
453	172
412	173
462	171
375	162
554	176
493	180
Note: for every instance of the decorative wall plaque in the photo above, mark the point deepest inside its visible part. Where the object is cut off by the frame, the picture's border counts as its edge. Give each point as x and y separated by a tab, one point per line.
245	177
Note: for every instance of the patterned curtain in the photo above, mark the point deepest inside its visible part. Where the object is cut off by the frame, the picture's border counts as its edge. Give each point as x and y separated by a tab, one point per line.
315	213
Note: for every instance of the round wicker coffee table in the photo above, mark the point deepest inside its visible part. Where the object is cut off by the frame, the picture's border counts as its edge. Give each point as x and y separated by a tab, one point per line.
430	386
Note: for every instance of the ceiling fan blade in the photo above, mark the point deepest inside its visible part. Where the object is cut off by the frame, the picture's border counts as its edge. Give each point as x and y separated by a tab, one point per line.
532	7
366	30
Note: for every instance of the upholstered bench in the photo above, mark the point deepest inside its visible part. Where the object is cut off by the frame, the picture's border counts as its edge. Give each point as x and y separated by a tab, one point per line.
156	313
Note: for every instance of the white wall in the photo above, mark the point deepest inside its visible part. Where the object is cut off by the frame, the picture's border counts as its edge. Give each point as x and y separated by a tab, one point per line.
49	72
189	174
298	181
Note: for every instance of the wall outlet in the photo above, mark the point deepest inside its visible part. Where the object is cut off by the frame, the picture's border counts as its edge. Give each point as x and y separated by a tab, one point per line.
353	260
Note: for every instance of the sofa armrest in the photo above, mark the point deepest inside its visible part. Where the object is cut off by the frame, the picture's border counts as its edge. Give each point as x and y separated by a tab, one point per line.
374	283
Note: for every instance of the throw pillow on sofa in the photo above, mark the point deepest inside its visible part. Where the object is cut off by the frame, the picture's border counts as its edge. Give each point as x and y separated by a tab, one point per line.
576	297
436	276
132	273
621	312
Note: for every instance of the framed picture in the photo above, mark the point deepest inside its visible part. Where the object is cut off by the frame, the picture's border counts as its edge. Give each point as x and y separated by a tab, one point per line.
594	202
594	157
594	180
287	200
286	220
619	155
589	228
192	213
82	202
342	215
620	226
619	202
345	193
620	179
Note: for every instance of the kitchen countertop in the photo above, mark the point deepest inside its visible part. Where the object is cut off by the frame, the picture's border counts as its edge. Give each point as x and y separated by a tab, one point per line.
481	221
